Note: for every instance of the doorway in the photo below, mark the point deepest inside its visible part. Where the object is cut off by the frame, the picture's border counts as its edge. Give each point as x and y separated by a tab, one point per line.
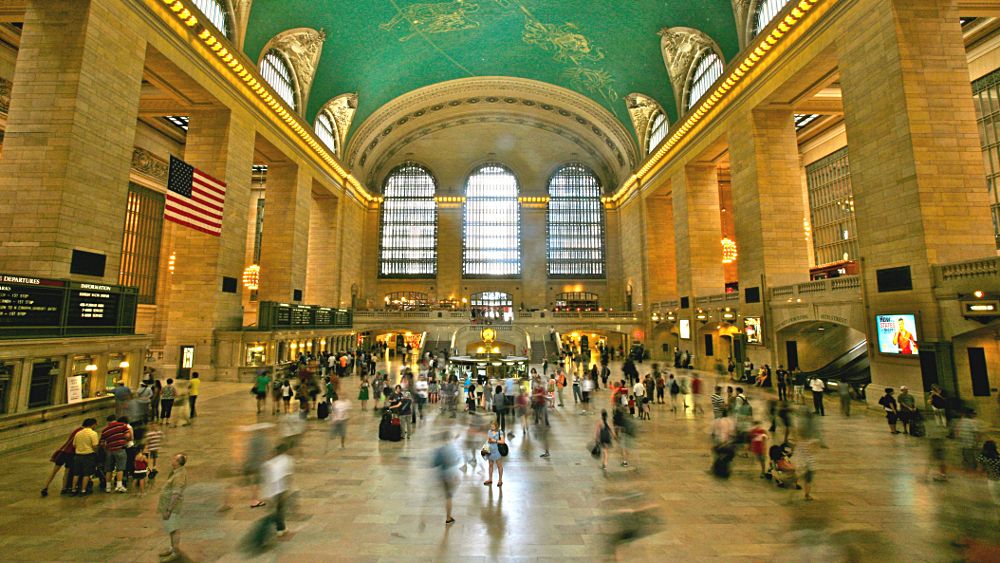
792	354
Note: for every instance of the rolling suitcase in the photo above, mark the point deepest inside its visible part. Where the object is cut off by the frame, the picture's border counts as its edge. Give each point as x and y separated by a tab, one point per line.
389	428
323	410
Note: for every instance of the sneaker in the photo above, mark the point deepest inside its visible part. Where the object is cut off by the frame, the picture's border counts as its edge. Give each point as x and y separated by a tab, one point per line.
45	492
107	488
282	533
624	464
121	490
546	454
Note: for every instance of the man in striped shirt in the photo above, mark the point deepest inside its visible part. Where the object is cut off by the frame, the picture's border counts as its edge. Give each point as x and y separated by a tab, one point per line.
153	439
115	436
718	403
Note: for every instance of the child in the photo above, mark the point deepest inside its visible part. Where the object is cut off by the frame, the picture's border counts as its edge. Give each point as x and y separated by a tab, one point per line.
140	471
631	405
153	439
434	389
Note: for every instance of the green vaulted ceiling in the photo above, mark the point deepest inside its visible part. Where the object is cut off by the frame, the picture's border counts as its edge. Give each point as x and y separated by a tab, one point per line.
381	49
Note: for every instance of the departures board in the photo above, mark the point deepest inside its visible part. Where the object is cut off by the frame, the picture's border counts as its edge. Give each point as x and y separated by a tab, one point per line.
33	307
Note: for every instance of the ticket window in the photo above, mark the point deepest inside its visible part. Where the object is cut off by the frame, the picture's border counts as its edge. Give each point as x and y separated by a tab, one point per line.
42	390
117	371
6	379
80	370
256	355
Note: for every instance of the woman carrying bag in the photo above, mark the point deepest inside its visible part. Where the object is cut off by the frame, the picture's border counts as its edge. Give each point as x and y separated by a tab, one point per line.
495	439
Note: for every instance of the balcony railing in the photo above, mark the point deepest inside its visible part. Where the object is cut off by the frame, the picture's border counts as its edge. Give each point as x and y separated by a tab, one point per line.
970	269
841	284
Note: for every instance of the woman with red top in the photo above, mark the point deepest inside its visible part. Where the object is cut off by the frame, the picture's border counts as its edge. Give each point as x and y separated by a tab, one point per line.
63	457
758	445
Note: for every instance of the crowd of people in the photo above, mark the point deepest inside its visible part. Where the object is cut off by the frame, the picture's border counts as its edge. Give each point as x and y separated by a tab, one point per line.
122	455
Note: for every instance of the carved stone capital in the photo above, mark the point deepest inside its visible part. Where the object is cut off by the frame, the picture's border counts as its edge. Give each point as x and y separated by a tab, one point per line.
149	165
302	47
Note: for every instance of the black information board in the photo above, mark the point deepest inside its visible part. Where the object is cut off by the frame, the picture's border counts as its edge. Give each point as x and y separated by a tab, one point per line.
273	315
38	307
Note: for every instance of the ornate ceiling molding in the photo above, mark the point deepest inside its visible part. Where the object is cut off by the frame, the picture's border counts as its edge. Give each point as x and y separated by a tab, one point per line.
342	109
241	17
681	47
641	109
743	12
515	97
303	47
386	157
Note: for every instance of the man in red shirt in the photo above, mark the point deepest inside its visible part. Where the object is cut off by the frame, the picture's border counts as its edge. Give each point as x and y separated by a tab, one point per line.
114	438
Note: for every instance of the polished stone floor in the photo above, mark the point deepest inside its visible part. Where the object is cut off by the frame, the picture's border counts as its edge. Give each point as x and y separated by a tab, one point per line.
379	501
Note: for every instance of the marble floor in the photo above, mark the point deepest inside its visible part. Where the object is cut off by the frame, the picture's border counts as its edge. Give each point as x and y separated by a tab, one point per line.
379	501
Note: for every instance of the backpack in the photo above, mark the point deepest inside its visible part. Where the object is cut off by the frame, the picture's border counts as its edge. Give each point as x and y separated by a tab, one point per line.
743	407
674	388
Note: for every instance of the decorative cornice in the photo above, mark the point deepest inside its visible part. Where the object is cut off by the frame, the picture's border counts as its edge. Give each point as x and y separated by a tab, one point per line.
746	66
149	165
302	47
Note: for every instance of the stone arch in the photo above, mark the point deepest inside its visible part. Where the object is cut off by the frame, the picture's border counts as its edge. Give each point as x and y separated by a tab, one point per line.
341	110
301	47
682	48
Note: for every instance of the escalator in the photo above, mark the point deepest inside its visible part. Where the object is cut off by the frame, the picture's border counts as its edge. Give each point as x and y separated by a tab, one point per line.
852	367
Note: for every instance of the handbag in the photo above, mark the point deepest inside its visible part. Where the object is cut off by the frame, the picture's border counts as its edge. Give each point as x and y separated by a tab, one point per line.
485	452
595	450
504	450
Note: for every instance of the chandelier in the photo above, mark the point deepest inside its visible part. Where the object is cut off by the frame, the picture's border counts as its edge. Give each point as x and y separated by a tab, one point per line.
251	277
729	253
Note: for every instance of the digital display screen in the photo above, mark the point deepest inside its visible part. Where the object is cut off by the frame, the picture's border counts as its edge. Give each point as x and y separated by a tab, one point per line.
93	305
897	334
684	327
36	307
30	305
751	328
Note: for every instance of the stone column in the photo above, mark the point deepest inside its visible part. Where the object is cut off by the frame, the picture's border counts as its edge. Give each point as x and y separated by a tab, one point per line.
323	261
660	253
193	304
916	162
68	141
697	232
767	200
285	237
534	257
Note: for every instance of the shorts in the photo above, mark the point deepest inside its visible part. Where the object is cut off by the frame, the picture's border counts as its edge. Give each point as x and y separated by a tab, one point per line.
173	523
140	475
891	417
62	459
808	476
261	396
114	461
84	464
339	428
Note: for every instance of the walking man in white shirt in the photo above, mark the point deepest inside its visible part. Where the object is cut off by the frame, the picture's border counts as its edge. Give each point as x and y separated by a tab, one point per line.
817	386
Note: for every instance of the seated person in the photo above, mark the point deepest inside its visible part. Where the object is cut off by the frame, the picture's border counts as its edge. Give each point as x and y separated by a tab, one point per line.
782	468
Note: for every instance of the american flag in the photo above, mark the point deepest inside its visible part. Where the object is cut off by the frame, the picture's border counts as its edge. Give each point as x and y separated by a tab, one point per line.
194	199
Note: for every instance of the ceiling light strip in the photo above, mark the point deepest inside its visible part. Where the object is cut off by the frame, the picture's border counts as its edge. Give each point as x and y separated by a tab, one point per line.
710	102
256	89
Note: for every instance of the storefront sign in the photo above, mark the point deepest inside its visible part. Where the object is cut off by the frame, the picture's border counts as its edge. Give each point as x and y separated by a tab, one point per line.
751	328
74	389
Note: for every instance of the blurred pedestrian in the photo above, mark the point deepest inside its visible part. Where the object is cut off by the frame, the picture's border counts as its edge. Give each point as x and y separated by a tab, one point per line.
63	458
990	461
171	504
967	432
339	414
445	461
261	388
844	391
603	437
276	476
194	388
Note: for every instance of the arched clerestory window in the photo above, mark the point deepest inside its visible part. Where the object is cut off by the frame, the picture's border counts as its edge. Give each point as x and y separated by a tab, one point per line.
492	224
326	130
765	11
276	70
657	131
216	12
575	224
408	245
707	70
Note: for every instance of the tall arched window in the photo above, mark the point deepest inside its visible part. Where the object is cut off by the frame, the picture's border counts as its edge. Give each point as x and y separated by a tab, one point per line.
657	131
326	130
765	12
408	245
706	72
278	73
492	237
575	223
215	11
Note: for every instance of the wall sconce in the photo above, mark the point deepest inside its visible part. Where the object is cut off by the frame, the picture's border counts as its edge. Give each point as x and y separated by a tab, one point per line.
123	364
91	368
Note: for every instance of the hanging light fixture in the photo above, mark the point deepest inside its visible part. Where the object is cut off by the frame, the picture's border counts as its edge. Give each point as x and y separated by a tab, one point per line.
251	277
729	253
